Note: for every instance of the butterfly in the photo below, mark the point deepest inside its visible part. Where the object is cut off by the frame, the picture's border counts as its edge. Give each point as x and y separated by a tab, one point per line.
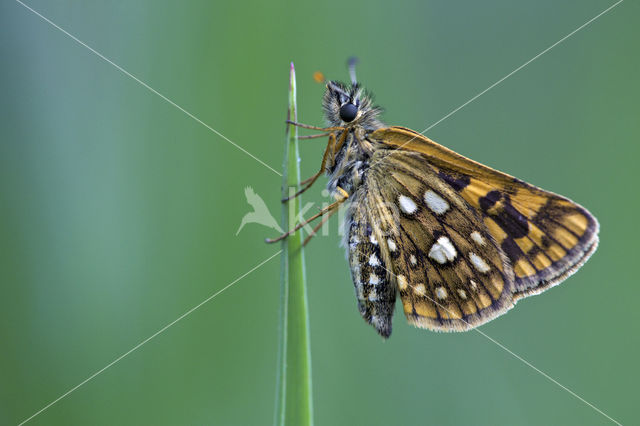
459	242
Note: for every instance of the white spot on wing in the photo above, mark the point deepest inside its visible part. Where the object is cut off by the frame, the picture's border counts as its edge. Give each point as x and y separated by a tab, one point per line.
407	204
475	236
402	282
436	203
373	295
373	240
420	289
474	285
353	243
391	244
441	292
413	260
479	263
373	260
443	251
462	293
374	279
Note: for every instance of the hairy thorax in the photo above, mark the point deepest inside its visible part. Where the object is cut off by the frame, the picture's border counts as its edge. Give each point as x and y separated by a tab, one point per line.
351	161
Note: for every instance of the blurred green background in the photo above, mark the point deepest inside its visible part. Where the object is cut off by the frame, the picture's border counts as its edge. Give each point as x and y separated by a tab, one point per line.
118	212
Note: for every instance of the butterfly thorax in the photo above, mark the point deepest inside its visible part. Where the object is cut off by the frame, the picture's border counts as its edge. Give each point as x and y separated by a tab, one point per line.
349	164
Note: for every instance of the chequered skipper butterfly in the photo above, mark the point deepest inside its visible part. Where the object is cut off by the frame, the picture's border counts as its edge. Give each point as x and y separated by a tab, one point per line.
460	242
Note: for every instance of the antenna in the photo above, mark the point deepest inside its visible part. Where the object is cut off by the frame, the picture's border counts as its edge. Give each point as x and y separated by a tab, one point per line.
352	69
319	77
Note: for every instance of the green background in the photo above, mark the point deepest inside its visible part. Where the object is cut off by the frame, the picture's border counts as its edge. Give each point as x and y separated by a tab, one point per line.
118	212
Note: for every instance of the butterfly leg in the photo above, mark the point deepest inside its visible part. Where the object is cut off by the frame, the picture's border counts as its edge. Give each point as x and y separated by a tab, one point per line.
343	196
324	220
307	183
319	135
341	141
330	152
329	209
307	126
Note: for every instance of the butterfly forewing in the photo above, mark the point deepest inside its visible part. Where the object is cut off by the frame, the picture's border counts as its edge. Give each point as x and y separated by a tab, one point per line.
544	236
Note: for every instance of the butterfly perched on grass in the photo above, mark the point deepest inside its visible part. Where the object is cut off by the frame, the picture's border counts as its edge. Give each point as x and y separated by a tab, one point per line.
459	242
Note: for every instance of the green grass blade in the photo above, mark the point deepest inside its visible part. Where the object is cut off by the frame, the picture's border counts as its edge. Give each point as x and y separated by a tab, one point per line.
294	403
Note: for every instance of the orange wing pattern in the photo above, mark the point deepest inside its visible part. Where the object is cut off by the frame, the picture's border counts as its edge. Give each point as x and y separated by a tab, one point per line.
544	237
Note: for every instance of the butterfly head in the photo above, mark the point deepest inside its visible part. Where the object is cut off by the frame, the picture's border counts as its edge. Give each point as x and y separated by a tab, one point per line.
349	106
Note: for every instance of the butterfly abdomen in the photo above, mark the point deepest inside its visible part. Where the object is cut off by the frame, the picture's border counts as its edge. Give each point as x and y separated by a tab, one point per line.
368	257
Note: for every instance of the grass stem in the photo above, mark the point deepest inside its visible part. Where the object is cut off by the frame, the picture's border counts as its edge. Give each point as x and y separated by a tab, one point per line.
293	401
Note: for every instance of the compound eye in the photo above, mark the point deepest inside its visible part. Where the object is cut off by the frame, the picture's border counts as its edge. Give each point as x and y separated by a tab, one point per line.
348	112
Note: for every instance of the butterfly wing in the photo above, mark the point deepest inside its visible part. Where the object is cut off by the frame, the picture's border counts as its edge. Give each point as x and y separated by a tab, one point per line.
437	251
545	237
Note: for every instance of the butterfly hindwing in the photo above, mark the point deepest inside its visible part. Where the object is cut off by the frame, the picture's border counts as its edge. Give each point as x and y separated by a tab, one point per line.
545	236
440	256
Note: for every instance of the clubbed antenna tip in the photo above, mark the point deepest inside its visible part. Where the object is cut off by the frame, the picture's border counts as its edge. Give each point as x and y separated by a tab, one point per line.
352	69
319	77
